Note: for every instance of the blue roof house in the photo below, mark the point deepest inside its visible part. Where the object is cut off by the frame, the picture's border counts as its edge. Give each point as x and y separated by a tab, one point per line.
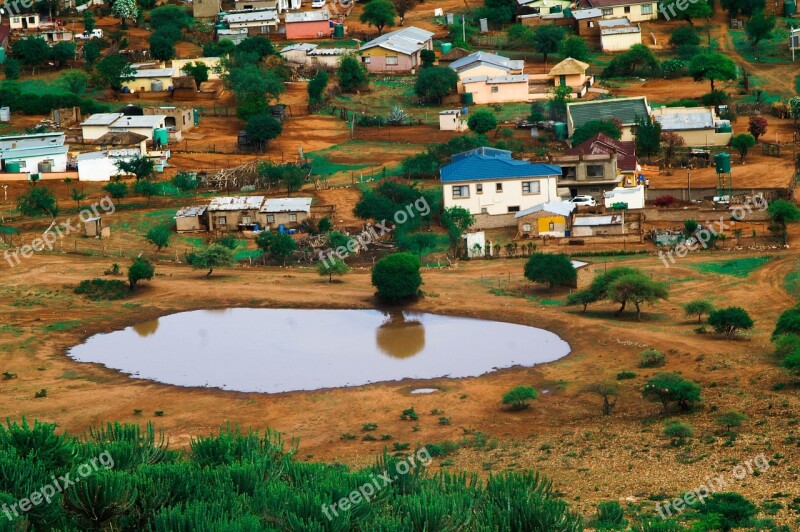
494	187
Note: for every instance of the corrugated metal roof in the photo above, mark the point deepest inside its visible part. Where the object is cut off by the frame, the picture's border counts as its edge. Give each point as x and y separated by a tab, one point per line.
583	14
301	46
34	152
626	110
287	205
482	57
406	41
607	219
101	119
308	16
617	26
563	208
476	167
189	212
328	51
91	156
686	118
255	15
235	203
154	73
138	121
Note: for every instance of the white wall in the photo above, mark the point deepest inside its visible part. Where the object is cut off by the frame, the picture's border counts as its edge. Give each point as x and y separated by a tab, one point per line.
32	163
498	202
93	132
97	169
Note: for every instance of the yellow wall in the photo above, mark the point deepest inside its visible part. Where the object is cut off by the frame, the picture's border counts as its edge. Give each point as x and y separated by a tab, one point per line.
380	51
143	85
635	14
544	223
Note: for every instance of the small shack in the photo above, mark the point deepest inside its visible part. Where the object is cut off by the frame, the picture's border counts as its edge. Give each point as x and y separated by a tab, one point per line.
286	212
450	120
236	213
546	219
93	228
191	219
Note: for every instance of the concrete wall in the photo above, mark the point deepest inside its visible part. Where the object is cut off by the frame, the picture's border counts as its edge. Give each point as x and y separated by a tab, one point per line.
620	42
496	202
487	221
633	12
374	60
145	84
484	93
308	30
281	218
97	169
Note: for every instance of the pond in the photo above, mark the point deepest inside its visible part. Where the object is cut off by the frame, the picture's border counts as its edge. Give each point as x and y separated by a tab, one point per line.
282	350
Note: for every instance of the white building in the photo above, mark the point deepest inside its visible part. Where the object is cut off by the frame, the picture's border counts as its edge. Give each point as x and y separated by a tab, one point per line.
618	34
29	21
33	154
450	120
97	125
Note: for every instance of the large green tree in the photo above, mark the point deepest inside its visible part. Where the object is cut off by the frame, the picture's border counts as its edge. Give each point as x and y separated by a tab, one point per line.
159	236
547	38
591	128
781	213
351	74
688	11
482	121
379	13
636	288
434	83
731	320
125	10
550	268
170	15
141	270
262	128
209	258
114	70
38	201
62	53
396	277
712	67
759	28
743	7
141	167
648	137
31	51
669	388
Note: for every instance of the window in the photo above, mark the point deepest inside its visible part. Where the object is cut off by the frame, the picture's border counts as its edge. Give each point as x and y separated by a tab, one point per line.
627	9
590	24
552	226
498	187
460	191
647	9
246	220
607	12
222	220
513	208
22	164
479	188
495	89
270	218
391	60
594	170
526	227
484	210
567	172
292	217
367	59
530	187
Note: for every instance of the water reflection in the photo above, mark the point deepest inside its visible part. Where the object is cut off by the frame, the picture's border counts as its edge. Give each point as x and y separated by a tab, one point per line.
400	336
280	350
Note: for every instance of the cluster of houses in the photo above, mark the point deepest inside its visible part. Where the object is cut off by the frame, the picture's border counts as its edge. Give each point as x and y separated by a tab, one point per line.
244	213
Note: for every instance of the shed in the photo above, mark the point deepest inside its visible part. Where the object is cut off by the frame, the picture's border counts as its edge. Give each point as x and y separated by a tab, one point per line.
93	228
450	120
618	34
190	219
606	224
546	219
308	24
288	212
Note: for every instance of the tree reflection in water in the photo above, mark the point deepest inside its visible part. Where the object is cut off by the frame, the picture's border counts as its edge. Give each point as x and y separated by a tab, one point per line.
399	336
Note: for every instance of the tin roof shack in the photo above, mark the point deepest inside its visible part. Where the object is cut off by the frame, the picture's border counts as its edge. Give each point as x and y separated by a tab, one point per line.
28	21
618	34
546	219
96	125
94	228
597	225
233	214
308	24
33	154
311	54
699	126
56	35
191	219
254	21
286	212
245	5
396	51
586	23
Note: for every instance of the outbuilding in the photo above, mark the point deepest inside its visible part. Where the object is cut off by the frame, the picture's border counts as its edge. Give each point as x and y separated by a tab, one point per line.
191	219
286	212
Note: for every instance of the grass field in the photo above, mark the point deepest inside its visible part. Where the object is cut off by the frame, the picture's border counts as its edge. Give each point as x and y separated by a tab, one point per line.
734	267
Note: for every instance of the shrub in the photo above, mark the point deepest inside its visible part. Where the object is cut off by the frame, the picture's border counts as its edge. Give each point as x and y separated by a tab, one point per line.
397	277
550	268
669	388
678	432
698	308
625	375
732	508
730	320
517	398
651	358
409	413
103	289
731	419
610	515
664	201
482	121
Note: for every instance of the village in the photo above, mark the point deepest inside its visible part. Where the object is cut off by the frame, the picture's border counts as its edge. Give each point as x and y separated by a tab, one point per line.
293	243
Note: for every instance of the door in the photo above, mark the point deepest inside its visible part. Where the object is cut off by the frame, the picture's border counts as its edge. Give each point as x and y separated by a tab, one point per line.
563	80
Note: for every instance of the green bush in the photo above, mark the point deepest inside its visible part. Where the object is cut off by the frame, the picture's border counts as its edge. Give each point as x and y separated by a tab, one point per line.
610	516
103	289
624	375
651	358
397	277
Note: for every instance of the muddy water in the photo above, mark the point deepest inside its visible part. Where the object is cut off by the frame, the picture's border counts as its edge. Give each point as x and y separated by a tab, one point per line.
281	350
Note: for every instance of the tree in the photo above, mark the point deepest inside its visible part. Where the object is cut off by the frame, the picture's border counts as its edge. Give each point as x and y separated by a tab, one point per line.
669	388
730	320
351	73
141	270
11	68
402	7
417	243
670	142
434	83
758	28
37	201
497	11
550	268
262	128
88	21
679	10
254	88
397	277
91	52
456	220
170	15
635	288
684	36
574	47
78	196
731	419
546	39
124	10
117	189
162	47
75	81
742	143
316	87
591	128
648	137
698	307
518	397
62	52
258	45
146	188
197	70
791	363
332	267
282	246
428	58
781	213
114	70
743	7
638	61
788	323
757	126
482	121
598	289
139	166
732	509
712	67
213	256
31	51
159	236
558	96
608	391
379	13
185	181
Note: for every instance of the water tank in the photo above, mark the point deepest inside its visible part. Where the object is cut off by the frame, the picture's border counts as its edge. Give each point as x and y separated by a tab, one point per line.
5	112
789	9
220	26
161	134
446	47
555	9
196	116
221	16
2	55
567	12
722	162
12	167
466	98
338	31
156	85
560	129
45	167
724	128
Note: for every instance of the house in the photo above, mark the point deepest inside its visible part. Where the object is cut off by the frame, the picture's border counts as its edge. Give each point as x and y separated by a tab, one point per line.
143	125
396	51
27	21
255	21
312	54
286	212
586	23
546	219
97	125
205	8
625	150
569	72
176	119
494	187
231	214
33	154
632	197
588	174
248	5
625	110
618	34
150	79
487	64
308	24
102	165
450	120
55	35
190	219
634	10
598	225
699	126
543	7
491	78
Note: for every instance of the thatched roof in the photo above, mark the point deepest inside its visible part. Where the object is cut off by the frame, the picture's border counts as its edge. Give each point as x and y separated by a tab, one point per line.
121	138
569	66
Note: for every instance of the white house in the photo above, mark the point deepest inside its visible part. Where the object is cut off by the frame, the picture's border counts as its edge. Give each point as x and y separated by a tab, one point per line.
632	196
97	125
450	120
143	125
28	21
494	187
33	154
618	34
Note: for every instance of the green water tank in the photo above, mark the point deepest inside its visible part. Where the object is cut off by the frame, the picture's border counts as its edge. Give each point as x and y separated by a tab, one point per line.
560	130
161	134
567	12
722	162
12	167
466	98
219	26
446	47
338	31
196	116
555	9
725	128
2	54
221	16
789	8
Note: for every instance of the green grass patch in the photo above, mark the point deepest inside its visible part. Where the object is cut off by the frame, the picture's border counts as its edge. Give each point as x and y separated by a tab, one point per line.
63	325
773	50
10	329
791	282
734	267
103	289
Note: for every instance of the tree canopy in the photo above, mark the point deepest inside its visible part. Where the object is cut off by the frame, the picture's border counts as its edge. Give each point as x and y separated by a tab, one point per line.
712	67
591	128
379	13
482	121
434	83
262	128
397	277
550	268
669	388
211	257
636	288
114	70
351	74
730	320
547	38
38	201
141	270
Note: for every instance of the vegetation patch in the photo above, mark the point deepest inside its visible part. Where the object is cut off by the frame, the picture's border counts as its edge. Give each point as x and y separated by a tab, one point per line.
103	289
734	267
